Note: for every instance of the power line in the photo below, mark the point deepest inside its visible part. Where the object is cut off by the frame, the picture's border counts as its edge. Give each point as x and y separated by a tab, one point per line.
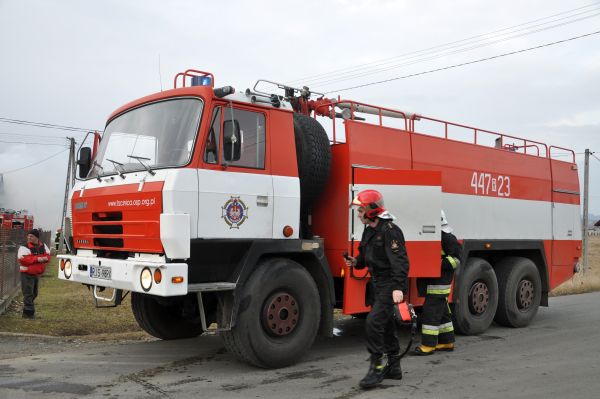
464	63
37	136
485	36
444	53
47	125
24	142
36	163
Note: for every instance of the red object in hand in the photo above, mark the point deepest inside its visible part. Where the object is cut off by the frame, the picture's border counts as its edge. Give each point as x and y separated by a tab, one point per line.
404	312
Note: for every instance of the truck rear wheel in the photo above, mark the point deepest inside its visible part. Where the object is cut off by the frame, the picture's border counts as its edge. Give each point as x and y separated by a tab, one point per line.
278	315
476	299
167	318
520	291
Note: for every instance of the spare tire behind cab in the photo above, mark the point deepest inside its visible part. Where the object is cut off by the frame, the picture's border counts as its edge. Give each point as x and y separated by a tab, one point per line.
314	161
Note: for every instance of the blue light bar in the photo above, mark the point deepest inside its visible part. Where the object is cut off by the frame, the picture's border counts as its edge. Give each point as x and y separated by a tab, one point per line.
201	81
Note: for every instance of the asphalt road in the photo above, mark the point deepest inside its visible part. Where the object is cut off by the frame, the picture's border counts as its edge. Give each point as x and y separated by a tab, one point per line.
558	355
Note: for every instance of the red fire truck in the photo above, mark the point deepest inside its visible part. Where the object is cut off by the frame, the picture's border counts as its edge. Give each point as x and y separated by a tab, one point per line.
11	219
230	209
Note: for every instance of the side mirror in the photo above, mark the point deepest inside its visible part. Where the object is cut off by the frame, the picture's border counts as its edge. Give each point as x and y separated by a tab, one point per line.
84	161
232	140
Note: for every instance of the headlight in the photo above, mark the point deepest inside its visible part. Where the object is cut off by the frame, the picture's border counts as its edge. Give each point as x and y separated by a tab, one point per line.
68	269
146	279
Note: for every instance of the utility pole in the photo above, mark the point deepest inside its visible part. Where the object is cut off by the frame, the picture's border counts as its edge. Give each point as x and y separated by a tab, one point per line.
586	188
69	183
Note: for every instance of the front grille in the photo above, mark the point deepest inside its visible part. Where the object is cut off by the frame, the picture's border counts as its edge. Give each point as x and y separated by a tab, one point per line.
108	229
108	242
107	216
132	227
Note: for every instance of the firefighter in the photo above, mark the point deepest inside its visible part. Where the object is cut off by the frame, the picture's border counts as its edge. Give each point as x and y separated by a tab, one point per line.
437	331
382	250
33	258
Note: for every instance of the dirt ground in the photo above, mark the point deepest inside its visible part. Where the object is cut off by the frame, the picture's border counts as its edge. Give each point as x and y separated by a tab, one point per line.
585	281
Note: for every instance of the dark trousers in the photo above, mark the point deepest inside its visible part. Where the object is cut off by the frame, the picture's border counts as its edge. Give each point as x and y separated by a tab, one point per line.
437	321
29	288
381	331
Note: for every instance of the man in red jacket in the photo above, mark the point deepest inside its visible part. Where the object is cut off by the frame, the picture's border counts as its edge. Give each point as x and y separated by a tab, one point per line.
33	258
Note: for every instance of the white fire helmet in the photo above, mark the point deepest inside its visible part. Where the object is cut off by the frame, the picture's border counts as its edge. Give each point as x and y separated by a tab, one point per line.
445	226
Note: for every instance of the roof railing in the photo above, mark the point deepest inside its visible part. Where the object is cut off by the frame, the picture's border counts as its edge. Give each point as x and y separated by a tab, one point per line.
191	73
350	108
500	137
563	149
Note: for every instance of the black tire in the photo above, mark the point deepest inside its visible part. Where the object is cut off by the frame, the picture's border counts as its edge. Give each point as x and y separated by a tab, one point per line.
475	297
167	318
267	345
520	291
313	154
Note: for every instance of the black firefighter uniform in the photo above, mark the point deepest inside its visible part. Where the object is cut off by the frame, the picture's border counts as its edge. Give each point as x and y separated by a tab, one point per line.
437	328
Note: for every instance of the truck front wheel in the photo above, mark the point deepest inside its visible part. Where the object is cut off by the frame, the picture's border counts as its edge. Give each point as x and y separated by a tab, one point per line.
167	318
520	291
476	299
278	315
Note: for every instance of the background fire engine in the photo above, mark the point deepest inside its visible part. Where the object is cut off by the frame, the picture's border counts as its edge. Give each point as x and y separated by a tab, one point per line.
215	206
11	219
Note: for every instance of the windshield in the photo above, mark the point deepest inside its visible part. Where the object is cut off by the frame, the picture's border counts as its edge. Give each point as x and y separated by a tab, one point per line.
156	135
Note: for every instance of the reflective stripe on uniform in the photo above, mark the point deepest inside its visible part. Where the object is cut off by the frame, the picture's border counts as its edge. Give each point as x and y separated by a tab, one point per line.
443	289
430	330
453	261
446	328
23	268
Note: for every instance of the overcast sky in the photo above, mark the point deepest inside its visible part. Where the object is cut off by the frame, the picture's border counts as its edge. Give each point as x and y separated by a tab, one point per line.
74	62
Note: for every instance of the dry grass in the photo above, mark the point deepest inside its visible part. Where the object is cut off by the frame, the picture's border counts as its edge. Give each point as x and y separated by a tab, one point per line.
67	309
584	282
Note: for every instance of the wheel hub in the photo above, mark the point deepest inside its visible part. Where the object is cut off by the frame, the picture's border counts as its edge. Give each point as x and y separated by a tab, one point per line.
281	314
479	298
525	294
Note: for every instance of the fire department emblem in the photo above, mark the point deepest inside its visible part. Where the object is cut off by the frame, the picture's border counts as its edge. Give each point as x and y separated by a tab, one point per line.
234	212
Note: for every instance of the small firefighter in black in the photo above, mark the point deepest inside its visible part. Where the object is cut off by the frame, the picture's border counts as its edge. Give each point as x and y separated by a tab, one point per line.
437	332
382	250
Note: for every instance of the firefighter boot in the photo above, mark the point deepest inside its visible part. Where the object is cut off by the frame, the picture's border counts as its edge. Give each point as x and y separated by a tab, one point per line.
393	370
423	350
444	347
375	374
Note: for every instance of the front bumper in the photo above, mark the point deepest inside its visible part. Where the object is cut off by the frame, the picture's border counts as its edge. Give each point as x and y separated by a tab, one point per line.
125	274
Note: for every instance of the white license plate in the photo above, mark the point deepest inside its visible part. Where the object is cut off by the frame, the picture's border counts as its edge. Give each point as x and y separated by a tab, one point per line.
100	272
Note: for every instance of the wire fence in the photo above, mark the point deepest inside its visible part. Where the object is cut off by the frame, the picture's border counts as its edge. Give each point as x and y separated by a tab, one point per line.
10	241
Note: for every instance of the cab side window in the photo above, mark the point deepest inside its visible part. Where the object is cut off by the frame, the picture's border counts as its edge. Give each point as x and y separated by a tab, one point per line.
211	150
243	138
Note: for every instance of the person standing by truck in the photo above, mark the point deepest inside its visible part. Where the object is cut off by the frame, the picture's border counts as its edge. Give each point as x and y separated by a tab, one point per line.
382	250
33	257
437	332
